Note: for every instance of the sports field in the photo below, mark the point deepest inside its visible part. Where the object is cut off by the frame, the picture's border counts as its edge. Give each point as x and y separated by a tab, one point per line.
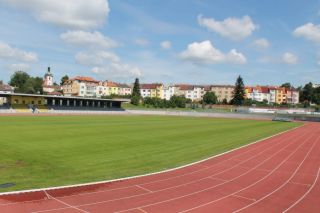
44	151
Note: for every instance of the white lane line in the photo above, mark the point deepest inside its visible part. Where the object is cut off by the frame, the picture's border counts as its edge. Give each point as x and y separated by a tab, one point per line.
143	188
301	198
154	173
285	183
302	184
197	192
60	201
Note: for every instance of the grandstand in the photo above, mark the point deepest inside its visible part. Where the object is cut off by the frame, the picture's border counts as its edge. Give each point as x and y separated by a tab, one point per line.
26	103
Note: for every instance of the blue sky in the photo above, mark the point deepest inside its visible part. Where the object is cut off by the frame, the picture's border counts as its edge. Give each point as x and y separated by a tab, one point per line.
172	41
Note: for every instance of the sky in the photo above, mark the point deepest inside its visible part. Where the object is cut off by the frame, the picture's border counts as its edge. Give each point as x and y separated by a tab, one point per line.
169	41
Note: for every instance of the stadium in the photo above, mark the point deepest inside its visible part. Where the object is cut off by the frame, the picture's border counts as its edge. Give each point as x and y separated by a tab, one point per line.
106	159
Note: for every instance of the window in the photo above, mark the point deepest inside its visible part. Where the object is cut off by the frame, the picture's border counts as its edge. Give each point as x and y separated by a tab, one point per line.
39	102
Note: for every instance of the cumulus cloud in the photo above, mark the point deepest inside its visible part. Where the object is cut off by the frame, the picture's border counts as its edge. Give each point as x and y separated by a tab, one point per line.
205	53
117	70
232	28
165	45
74	14
289	58
285	58
308	31
261	43
8	52
88	39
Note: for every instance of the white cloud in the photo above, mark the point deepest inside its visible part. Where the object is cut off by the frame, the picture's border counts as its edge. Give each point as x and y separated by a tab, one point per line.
205	53
74	14
289	58
142	42
261	43
8	52
235	57
88	39
117	70
96	58
308	31
165	45
232	28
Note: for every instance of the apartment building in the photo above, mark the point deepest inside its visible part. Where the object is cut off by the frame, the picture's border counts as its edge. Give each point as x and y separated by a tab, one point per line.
272	94
193	92
124	89
151	90
80	86
223	92
5	89
292	96
169	91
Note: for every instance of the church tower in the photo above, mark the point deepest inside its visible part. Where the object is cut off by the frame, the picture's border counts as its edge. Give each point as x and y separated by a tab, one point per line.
48	78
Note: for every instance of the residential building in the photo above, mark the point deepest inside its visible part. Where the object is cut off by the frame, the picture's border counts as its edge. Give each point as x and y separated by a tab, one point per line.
258	93
223	92
169	91
193	92
5	89
154	90
112	88
80	86
281	95
124	89
292	96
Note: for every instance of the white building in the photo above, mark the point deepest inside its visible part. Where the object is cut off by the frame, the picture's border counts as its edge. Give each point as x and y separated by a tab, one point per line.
195	93
168	92
5	89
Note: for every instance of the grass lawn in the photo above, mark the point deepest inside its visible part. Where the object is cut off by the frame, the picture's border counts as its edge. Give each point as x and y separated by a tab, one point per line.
44	151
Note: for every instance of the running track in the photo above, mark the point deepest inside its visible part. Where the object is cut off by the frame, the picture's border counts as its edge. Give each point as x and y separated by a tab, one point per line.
279	174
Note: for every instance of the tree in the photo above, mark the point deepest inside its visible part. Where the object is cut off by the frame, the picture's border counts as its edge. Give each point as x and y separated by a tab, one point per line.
136	95
287	85
307	93
210	98
64	79
238	93
18	80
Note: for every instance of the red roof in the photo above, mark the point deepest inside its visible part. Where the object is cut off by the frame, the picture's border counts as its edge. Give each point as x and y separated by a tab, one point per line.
86	79
111	84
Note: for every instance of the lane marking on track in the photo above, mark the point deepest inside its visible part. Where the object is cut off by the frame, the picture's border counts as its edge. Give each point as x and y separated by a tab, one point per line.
302	184
154	173
197	192
64	203
285	183
142	210
301	198
143	188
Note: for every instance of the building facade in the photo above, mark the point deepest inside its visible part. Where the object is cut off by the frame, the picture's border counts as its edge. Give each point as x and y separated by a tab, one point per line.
151	90
223	92
80	86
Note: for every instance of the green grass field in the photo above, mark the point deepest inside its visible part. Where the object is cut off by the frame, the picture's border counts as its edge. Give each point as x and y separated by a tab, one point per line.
44	151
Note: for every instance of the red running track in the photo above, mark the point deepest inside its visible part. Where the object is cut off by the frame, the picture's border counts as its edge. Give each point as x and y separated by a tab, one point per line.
279	174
